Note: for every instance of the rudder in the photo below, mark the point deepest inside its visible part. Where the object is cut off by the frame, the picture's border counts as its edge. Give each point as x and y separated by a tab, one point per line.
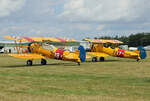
82	53
143	54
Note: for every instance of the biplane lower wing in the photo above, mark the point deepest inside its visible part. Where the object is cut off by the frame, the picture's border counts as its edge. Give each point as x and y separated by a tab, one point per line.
98	54
27	56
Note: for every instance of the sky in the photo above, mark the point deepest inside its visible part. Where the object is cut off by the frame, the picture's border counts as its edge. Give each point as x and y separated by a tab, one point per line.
74	19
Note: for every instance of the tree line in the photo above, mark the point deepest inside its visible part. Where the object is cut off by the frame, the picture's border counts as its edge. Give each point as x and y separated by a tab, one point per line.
134	40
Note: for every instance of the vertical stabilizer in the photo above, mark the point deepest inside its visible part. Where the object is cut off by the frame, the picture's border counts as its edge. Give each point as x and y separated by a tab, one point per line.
82	53
142	52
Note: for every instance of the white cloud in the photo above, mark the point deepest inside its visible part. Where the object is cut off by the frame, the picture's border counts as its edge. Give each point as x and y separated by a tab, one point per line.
81	27
100	27
34	30
9	6
104	10
77	18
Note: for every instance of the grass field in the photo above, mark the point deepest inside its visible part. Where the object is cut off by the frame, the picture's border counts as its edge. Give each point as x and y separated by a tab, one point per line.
113	80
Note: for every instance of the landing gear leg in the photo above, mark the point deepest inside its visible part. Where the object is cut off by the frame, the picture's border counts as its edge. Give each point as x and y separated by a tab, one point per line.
29	62
79	63
137	60
43	62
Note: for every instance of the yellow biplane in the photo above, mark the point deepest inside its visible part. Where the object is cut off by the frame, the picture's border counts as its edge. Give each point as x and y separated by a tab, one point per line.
102	48
37	49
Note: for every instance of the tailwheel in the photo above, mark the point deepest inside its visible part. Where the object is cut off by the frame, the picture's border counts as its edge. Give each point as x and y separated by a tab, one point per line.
101	59
94	59
29	62
43	62
79	63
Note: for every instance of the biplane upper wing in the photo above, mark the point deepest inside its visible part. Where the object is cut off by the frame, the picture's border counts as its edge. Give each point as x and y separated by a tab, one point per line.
113	41
36	39
27	56
97	54
14	38
103	41
94	40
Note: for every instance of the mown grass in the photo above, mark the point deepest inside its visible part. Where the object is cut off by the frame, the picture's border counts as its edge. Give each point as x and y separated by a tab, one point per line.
116	79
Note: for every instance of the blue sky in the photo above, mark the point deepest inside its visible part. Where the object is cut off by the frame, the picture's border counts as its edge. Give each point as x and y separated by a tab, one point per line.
75	19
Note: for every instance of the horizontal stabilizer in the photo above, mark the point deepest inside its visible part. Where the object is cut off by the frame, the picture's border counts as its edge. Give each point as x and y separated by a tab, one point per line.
98	54
71	56
27	56
88	57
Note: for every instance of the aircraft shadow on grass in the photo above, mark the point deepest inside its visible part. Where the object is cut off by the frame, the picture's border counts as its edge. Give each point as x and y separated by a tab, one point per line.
66	64
115	60
121	60
104	61
36	65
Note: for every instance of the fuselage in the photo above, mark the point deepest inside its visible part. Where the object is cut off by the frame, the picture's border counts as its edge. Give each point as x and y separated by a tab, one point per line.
116	52
55	53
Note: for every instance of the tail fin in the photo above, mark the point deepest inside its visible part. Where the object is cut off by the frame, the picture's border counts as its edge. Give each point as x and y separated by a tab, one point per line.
82	53
142	52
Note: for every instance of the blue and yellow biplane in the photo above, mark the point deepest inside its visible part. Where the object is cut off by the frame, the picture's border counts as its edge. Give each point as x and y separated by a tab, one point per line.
37	49
103	48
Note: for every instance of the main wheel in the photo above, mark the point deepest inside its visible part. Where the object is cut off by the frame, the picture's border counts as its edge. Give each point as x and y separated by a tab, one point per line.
94	59
29	62
101	59
43	62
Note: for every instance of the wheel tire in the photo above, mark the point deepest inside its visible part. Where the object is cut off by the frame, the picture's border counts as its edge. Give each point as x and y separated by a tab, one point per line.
101	59
94	59
137	60
29	62
43	62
